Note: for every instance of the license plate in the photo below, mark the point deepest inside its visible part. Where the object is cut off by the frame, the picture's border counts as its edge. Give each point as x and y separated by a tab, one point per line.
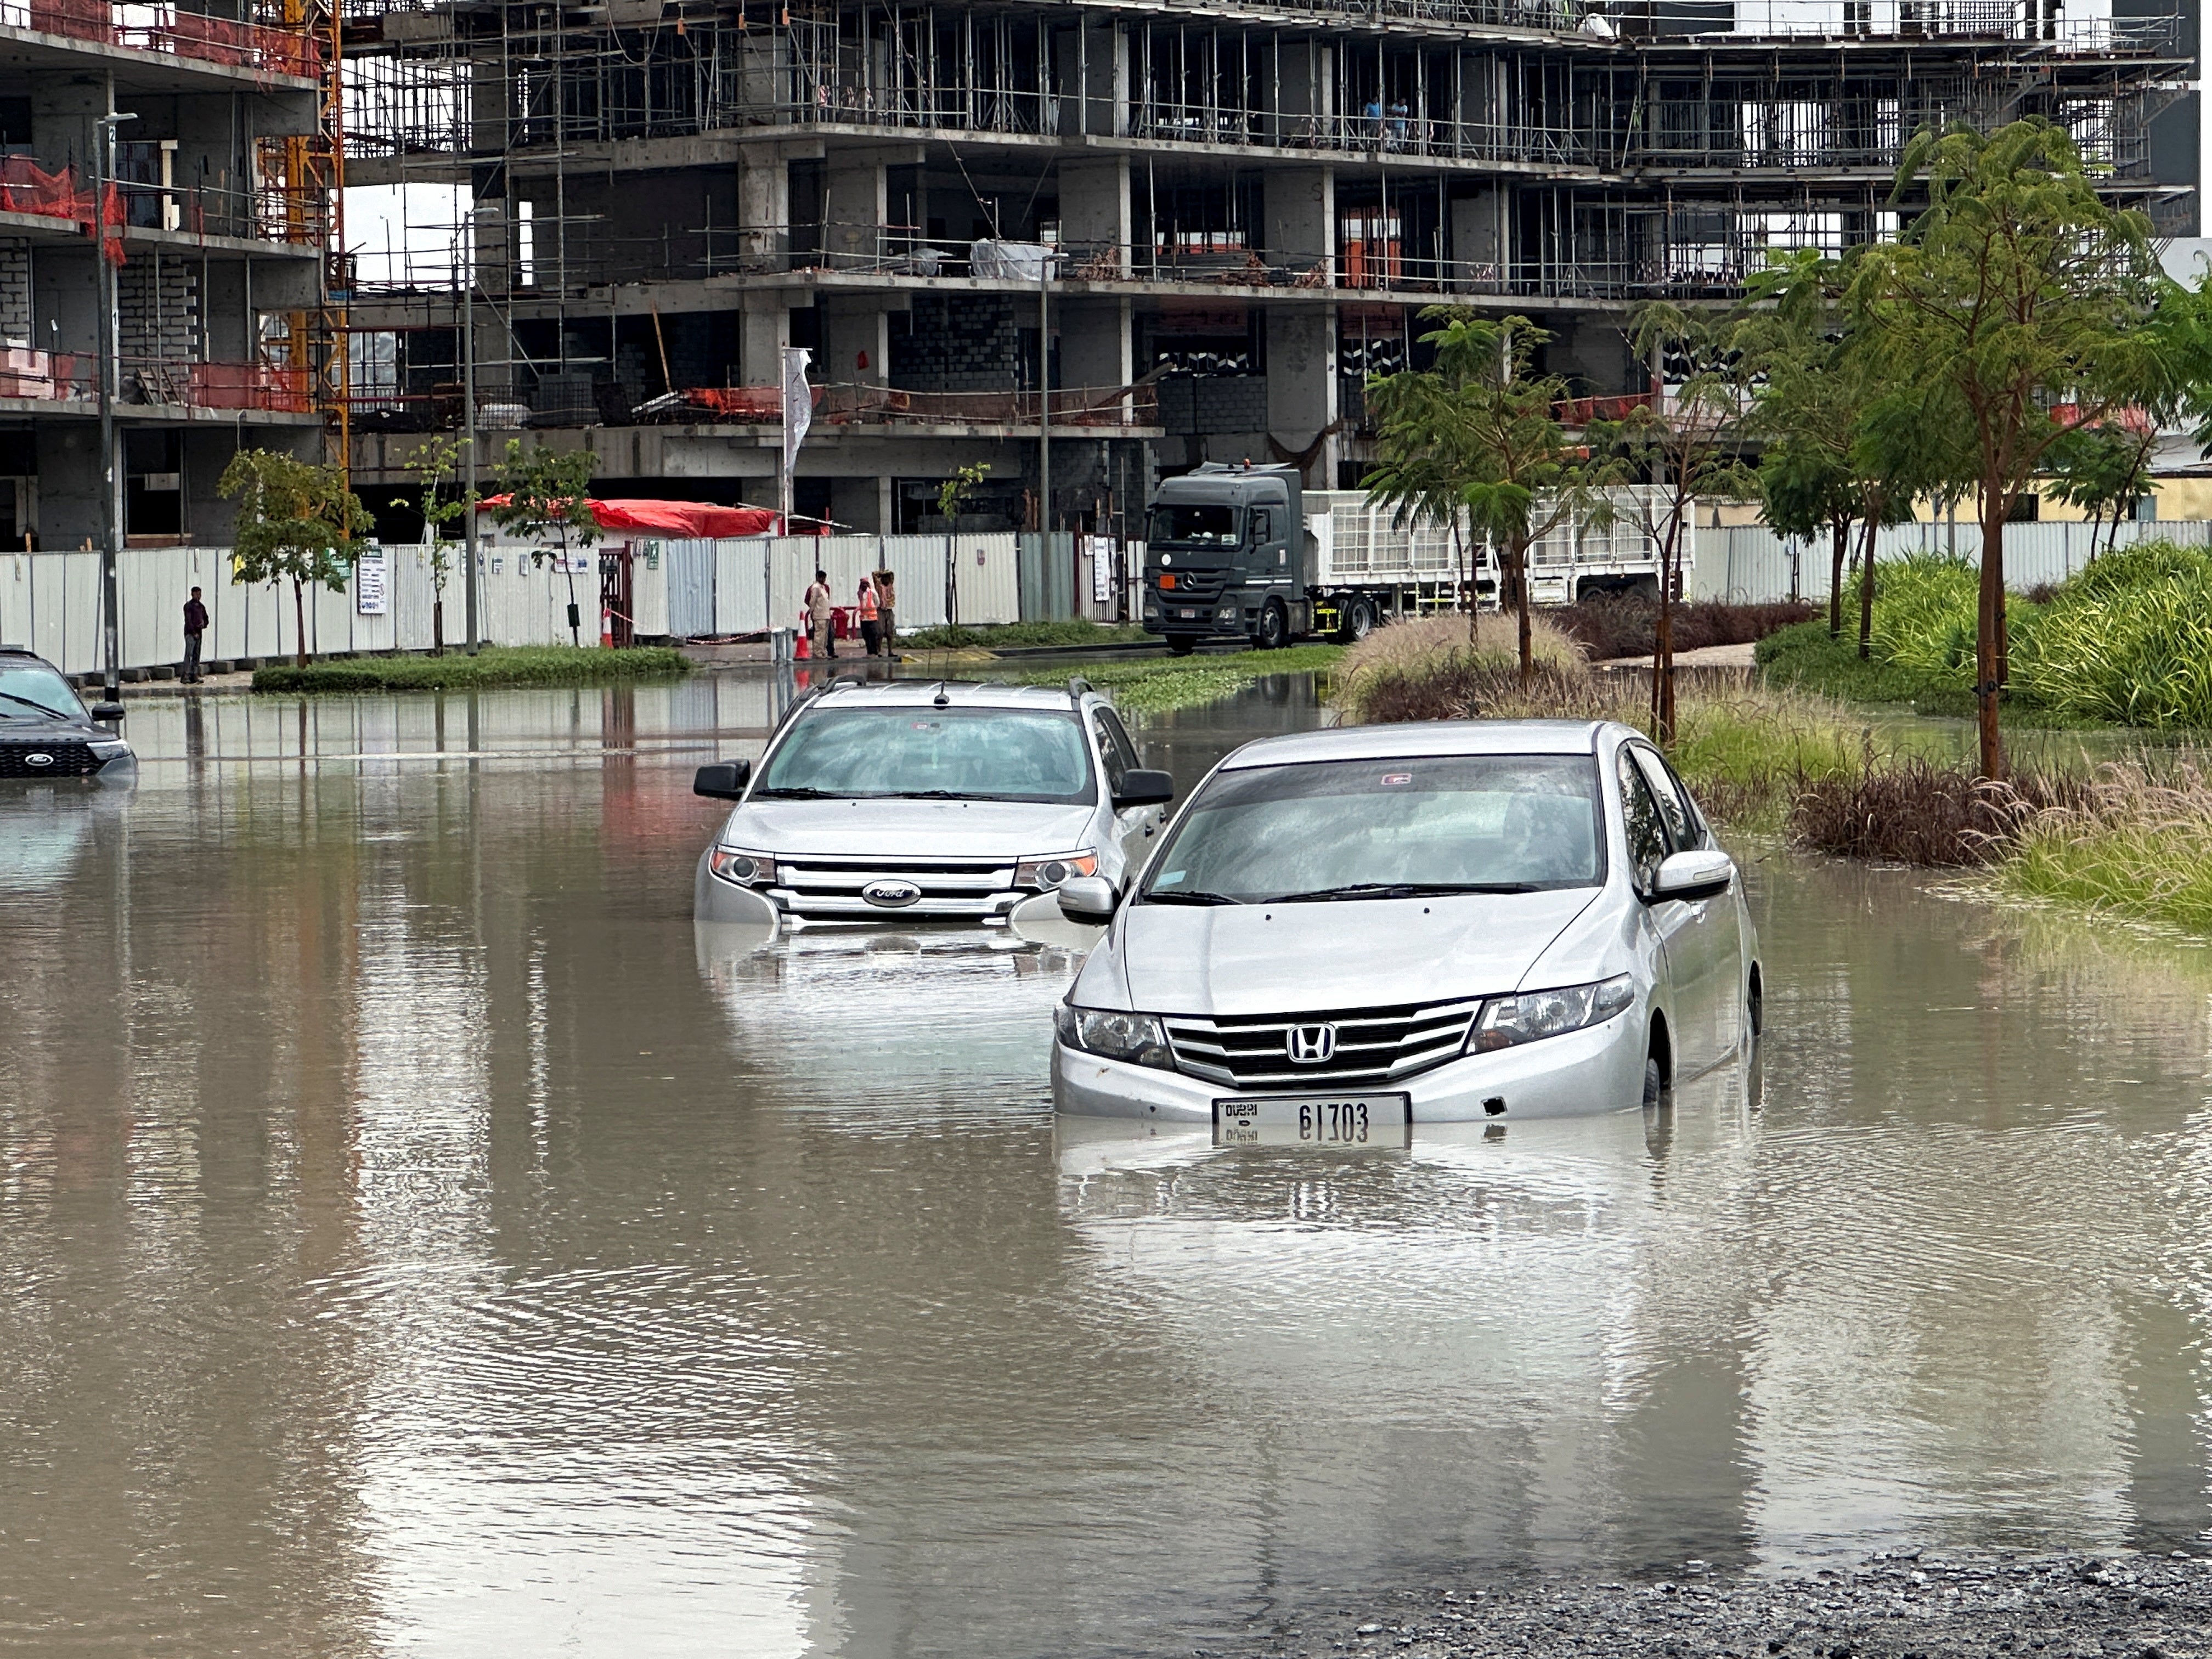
1340	1122
1188	614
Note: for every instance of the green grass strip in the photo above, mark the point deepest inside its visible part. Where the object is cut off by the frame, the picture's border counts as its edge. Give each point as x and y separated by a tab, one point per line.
494	666
997	635
1152	685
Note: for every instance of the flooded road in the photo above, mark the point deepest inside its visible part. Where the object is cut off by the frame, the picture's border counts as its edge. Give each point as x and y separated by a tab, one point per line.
413	1239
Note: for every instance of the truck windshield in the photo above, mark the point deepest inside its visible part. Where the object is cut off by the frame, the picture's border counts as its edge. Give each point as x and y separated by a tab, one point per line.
1193	524
1371	828
966	754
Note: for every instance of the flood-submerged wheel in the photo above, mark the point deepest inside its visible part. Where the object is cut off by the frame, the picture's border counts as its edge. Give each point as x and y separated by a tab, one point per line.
1181	645
1654	1082
1274	627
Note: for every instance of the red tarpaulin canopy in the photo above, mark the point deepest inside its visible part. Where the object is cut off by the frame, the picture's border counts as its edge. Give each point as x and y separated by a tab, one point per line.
683	520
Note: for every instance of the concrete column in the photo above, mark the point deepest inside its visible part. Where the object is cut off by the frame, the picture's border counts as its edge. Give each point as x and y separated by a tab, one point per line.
764	330
764	208
855	204
1302	92
1094	210
856	326
1481	239
1105	71
1096	345
859	504
1301	211
1302	384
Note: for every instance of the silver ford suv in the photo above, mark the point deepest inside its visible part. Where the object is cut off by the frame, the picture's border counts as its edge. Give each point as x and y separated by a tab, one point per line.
947	801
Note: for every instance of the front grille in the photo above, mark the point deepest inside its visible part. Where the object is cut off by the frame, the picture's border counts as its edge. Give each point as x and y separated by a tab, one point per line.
938	879
1372	1045
66	757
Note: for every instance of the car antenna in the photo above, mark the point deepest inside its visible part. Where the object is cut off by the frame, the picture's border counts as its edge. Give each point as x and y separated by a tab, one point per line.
939	696
1077	685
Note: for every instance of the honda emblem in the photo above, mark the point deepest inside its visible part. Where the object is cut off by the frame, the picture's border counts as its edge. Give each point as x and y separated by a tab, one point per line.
1310	1045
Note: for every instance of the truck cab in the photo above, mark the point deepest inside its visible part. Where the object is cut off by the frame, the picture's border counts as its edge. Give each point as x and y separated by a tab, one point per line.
1227	552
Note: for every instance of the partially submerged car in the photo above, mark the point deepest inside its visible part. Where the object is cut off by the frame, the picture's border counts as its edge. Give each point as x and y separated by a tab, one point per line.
1348	932
45	733
934	800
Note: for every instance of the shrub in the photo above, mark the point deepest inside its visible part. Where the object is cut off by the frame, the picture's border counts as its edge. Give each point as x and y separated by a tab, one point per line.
1914	812
494	666
1627	624
2128	639
2131	838
1429	662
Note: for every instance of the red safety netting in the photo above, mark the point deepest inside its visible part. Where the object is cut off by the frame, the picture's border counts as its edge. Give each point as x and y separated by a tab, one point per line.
251	386
27	187
684	520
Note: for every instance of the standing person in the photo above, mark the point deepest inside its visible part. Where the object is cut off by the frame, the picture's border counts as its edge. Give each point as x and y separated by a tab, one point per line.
870	636
818	615
886	614
196	622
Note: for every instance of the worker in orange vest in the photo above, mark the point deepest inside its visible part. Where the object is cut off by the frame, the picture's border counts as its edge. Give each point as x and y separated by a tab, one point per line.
870	634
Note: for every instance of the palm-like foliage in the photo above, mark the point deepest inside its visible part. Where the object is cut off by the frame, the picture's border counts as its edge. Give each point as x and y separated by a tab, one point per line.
1476	443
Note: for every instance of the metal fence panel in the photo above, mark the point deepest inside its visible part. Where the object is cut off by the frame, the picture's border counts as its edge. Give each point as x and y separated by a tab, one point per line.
690	568
1751	564
1046	577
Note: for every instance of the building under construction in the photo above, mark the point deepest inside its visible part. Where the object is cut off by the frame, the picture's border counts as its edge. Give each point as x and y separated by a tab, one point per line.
215	211
1132	233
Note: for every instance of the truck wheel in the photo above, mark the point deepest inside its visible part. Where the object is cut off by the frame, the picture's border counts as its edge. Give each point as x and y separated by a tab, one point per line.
1274	627
1359	621
1181	645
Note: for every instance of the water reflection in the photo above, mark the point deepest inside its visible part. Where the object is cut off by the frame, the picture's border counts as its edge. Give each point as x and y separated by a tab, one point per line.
418	1235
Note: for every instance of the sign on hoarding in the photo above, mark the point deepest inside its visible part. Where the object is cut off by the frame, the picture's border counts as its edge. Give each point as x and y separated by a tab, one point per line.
368	587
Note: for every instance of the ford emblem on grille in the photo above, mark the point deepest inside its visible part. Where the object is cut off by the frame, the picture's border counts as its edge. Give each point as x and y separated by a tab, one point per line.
890	894
1309	1045
38	760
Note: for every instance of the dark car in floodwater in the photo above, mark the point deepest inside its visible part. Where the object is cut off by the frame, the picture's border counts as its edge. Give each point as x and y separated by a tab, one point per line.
45	733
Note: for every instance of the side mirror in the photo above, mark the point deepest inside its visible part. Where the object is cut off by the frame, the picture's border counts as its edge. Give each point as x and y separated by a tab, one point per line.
724	781
1088	899
1142	788
1687	876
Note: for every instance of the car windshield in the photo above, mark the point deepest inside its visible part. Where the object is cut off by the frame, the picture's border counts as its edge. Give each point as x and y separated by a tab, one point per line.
968	754
1378	828
31	690
1193	524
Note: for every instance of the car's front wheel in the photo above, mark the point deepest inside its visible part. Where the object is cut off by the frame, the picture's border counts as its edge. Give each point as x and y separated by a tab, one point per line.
1655	1082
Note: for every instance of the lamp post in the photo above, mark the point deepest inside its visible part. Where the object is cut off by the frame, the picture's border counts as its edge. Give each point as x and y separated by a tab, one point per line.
111	503
469	419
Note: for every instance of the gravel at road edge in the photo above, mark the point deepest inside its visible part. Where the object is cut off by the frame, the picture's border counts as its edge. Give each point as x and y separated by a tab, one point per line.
1928	1604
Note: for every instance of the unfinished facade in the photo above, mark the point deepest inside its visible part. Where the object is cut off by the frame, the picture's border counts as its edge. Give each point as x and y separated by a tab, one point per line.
1195	229
218	220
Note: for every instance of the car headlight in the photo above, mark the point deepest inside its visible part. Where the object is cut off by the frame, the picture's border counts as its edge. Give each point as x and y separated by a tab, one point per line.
107	749
745	869
1055	868
1136	1038
1505	1021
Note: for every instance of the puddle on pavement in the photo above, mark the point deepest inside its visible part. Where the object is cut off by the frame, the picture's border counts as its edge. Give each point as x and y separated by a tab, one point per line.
417	1238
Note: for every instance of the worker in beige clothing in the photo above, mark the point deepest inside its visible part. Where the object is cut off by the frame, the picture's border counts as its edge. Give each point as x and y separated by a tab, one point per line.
817	613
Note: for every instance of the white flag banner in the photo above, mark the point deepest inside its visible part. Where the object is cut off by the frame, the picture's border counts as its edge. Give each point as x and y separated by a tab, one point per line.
797	405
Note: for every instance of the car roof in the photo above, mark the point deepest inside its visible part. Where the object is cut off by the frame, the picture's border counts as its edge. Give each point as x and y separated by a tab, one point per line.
958	694
1418	738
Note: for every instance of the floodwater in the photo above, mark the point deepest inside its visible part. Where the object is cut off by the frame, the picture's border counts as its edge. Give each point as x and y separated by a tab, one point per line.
415	1240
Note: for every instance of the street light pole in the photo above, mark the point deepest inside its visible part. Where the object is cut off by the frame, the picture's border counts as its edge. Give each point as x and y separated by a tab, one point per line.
111	503
469	418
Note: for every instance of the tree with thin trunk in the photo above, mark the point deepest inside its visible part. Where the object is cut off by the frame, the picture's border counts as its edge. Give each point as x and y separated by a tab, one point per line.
444	503
545	496
952	502
1685	446
297	522
2015	307
1477	440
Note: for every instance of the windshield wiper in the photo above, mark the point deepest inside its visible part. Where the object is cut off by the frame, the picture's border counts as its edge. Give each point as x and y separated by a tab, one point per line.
937	794
1193	897
1363	890
50	713
800	791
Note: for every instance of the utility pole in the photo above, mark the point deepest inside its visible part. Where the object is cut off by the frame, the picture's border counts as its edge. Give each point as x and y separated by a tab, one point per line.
469	418
110	502
1044	407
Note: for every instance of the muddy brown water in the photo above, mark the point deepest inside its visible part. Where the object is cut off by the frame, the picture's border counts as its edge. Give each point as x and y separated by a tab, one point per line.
413	1240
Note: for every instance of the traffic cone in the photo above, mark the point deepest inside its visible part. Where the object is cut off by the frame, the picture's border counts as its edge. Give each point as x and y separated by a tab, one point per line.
803	646
606	629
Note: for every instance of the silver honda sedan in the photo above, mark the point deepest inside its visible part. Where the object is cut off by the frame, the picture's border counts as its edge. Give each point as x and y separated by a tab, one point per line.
1347	932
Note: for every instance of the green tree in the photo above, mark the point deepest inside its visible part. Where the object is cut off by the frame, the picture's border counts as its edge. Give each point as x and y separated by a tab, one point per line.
1685	445
952	502
546	499
297	522
2017	291
1477	440
444	504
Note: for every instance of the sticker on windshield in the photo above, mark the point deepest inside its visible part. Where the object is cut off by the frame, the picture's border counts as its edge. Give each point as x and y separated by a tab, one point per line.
1171	877
1389	778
